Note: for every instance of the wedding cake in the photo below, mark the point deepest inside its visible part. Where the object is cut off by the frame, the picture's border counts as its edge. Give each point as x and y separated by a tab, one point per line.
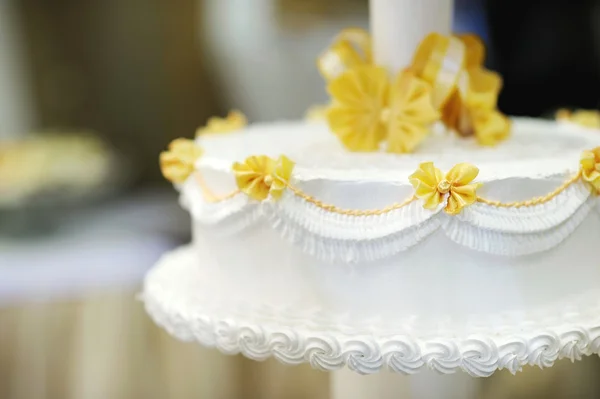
409	205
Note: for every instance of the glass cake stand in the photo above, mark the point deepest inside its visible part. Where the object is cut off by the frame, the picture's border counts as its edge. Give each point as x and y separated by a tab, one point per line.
180	296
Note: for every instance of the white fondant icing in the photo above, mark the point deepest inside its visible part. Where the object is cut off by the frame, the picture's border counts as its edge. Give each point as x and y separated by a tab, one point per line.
336	237
531	167
417	270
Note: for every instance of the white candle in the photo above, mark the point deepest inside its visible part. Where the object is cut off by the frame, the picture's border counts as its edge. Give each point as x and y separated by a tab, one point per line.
398	26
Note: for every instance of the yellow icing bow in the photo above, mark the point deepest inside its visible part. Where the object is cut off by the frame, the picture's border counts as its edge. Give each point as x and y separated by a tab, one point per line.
446	82
177	163
590	168
433	187
261	176
235	120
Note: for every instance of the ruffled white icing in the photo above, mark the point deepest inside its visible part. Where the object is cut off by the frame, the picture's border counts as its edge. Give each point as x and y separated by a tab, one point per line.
339	237
537	159
525	220
295	335
548	231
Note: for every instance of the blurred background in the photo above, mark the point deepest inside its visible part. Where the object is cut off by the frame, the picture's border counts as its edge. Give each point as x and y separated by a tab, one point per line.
91	91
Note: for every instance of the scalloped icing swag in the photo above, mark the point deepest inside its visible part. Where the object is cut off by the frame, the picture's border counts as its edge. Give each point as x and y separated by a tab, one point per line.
440	201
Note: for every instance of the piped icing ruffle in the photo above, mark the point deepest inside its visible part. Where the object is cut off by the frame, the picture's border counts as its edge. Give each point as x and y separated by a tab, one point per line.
335	237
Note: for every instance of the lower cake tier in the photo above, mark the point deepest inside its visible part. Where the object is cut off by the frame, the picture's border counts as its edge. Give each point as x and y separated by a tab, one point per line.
350	234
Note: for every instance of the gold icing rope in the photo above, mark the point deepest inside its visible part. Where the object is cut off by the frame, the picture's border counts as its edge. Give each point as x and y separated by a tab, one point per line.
208	194
536	200
349	212
211	197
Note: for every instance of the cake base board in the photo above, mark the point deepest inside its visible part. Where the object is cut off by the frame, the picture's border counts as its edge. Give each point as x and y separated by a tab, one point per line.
180	296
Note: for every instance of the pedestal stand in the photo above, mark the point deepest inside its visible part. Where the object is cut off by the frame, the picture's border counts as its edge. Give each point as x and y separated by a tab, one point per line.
428	384
179	296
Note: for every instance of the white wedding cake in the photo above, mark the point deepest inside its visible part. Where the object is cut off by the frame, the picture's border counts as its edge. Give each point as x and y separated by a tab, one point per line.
346	234
409	206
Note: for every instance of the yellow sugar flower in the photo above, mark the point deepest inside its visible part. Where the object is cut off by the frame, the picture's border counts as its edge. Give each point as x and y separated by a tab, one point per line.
177	163
590	168
360	95
432	186
235	120
410	114
583	117
491	127
261	176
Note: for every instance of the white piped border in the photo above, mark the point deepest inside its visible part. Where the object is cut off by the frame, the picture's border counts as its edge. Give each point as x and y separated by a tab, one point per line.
327	347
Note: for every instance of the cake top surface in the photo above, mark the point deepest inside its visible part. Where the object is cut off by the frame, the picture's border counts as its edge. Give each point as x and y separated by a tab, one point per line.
536	149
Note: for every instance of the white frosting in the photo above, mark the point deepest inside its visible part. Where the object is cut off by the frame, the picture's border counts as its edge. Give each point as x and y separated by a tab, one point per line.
419	270
345	238
536	148
539	158
193	304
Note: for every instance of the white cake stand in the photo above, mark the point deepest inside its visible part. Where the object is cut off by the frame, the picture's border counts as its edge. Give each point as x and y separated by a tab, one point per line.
179	296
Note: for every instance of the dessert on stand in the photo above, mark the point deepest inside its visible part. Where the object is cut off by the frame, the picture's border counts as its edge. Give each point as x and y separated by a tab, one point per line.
413	228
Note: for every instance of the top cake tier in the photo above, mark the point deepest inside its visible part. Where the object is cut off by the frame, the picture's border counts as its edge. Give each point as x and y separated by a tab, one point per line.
537	149
540	185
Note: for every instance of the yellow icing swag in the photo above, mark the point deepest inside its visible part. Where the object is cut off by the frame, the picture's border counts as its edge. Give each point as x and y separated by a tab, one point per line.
446	81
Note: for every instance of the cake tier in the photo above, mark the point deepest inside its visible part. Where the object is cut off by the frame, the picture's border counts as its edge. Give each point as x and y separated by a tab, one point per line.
348	238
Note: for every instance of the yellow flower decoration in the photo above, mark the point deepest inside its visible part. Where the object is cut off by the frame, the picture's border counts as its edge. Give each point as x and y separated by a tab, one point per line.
177	163
432	186
447	79
235	120
367	109
411	112
590	168
261	176
360	96
584	117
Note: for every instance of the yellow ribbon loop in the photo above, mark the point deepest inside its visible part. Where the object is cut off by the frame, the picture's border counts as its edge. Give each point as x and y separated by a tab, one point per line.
475	50
351	48
473	109
464	91
439	60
